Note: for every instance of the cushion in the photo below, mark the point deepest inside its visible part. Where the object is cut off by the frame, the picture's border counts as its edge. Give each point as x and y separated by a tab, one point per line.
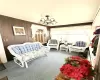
80	44
35	46
16	50
53	41
23	49
38	45
29	47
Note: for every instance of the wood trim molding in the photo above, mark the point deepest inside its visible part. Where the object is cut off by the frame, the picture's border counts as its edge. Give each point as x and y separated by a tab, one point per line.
25	21
57	26
71	25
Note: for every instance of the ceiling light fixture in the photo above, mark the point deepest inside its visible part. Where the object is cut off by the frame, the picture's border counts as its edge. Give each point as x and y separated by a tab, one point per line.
47	20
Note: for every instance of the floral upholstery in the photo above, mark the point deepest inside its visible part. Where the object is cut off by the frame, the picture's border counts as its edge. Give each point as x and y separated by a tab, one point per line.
16	50
80	44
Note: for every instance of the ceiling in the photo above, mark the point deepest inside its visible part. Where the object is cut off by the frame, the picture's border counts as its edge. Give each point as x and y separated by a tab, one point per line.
64	11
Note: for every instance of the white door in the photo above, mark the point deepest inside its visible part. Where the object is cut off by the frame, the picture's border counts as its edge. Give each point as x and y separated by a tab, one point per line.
2	52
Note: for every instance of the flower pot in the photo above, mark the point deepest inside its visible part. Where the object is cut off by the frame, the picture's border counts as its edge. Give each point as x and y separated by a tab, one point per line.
60	76
76	68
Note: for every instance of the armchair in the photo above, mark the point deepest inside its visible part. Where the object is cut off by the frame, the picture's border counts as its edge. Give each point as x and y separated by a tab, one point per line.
53	43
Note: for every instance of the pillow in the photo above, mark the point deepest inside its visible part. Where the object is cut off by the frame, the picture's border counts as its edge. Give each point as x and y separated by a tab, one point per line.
80	44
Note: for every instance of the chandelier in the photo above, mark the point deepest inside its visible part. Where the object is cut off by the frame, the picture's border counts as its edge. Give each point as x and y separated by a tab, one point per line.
47	20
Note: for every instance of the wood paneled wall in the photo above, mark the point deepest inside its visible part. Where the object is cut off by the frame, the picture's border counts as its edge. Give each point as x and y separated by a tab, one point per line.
6	30
48	31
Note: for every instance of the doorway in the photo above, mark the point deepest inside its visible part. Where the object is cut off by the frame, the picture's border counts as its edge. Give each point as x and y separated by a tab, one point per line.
40	36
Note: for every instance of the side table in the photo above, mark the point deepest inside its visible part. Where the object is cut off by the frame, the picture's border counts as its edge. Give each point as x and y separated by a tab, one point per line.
64	47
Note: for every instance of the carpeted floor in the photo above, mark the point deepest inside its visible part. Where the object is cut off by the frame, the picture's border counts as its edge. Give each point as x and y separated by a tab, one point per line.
43	68
2	67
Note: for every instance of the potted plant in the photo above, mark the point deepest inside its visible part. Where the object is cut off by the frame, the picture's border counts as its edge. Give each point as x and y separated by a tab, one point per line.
76	68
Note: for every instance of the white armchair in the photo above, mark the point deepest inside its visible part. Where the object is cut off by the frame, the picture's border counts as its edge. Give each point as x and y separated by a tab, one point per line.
53	43
79	46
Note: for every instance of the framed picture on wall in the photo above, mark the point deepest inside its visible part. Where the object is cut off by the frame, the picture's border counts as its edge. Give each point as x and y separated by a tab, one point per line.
18	30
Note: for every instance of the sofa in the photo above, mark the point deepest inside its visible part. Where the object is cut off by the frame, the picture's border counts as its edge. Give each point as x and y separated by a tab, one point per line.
78	46
23	53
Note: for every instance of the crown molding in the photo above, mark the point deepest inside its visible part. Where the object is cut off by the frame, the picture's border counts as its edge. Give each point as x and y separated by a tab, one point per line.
71	25
23	20
57	26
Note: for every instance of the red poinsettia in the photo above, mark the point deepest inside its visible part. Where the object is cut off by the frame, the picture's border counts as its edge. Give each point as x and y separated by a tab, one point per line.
77	68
